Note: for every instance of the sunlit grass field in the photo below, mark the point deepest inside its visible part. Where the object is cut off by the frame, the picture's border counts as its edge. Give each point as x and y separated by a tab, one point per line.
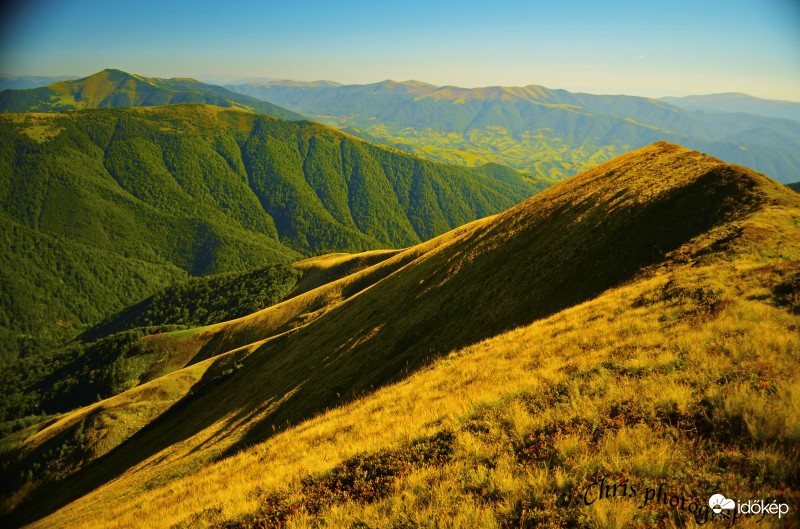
687	378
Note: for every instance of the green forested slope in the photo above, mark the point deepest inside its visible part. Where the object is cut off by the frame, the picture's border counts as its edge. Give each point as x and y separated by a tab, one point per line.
112	356
53	287
93	220
553	133
115	88
203	300
101	208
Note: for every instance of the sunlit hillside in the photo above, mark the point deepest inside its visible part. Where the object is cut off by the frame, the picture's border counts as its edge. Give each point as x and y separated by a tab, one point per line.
637	323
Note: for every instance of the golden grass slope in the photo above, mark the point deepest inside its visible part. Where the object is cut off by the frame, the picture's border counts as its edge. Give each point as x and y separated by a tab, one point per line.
323	269
641	382
91	432
328	281
698	246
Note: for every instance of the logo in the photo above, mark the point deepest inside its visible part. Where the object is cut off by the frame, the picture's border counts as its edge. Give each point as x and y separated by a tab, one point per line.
719	508
720	503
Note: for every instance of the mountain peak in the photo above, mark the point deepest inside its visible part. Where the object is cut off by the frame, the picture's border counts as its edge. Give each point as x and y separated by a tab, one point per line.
112	87
415	83
115	74
112	73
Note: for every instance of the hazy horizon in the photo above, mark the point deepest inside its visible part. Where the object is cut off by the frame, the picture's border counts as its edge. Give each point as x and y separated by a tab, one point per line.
687	48
215	80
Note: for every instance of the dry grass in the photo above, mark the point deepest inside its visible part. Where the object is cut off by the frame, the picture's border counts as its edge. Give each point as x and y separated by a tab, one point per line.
323	269
89	433
623	384
306	303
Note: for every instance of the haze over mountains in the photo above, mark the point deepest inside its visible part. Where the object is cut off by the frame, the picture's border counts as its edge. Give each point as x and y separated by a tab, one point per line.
566	335
548	133
552	133
734	102
30	81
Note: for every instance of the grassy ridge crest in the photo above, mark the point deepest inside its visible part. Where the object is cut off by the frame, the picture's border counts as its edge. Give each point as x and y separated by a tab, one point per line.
424	344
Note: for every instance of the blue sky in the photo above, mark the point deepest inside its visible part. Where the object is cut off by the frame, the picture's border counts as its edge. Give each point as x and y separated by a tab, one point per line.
645	48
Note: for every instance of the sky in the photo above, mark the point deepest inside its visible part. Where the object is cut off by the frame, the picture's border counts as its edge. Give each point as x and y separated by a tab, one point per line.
653	49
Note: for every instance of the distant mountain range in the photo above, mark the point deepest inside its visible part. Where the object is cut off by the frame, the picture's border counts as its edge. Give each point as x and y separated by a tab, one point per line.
30	81
115	88
734	102
553	133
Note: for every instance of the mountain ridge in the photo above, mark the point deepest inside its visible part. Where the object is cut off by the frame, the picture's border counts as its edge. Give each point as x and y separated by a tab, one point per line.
675	217
117	88
739	102
549	132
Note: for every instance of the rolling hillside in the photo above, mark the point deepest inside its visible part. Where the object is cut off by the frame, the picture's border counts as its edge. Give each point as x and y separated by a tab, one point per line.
101	208
115	88
636	322
552	133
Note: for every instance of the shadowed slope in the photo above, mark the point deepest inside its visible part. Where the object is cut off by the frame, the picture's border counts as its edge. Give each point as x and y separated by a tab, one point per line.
637	382
543	255
555	250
